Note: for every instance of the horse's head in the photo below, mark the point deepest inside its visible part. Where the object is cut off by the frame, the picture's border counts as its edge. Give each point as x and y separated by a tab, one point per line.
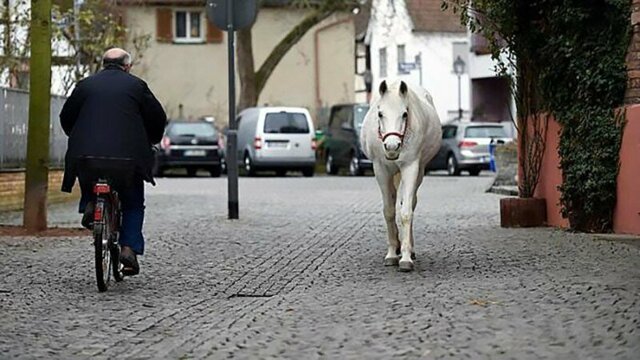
393	117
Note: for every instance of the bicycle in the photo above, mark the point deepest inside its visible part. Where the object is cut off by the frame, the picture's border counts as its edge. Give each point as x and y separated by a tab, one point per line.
106	174
107	219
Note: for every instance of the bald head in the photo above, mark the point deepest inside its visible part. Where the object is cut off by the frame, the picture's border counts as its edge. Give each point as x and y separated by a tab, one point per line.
117	56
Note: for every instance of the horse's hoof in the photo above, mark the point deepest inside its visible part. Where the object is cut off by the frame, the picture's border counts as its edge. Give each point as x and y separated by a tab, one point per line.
405	266
413	256
391	261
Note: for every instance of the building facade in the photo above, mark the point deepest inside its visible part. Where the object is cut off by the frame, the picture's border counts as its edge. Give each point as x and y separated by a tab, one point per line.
186	61
414	40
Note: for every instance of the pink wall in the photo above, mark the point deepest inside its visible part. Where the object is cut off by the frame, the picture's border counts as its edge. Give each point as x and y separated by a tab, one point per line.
627	212
627	215
551	177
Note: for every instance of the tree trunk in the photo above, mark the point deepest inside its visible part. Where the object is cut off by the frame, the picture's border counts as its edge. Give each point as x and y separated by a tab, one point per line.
36	184
246	70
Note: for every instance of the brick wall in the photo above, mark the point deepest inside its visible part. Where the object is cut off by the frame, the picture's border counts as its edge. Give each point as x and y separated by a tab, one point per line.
633	58
12	190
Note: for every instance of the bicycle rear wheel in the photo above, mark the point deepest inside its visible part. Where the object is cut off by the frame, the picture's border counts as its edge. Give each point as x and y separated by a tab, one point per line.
101	235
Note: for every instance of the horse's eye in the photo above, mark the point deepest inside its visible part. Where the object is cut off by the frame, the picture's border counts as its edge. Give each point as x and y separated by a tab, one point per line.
380	114
405	115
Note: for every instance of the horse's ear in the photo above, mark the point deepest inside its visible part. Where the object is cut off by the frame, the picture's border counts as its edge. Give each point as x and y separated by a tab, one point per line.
383	87
403	88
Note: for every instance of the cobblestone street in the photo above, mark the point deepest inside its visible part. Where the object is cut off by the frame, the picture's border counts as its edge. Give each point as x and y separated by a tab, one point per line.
301	276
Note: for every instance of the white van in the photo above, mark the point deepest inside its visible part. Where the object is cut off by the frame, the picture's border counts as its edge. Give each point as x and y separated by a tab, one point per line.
276	138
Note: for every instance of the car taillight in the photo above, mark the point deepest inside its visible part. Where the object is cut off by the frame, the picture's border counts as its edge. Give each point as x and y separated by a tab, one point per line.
257	143
314	144
467	144
165	143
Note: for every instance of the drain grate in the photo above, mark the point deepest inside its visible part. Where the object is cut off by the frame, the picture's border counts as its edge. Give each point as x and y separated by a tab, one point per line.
250	295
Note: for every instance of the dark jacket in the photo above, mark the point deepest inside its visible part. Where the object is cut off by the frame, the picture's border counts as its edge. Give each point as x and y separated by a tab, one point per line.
111	114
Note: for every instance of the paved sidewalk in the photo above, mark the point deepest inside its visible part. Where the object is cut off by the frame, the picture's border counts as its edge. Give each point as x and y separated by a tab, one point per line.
300	276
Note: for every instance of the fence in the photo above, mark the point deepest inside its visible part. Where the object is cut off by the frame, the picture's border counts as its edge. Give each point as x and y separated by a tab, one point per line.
14	117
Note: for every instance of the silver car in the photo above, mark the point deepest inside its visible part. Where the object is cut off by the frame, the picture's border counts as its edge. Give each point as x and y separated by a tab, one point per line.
465	146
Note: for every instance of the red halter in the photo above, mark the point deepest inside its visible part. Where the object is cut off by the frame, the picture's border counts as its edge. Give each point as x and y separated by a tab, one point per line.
383	136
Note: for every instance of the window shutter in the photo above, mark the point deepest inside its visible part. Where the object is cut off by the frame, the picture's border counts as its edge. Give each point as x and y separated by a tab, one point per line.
214	35
164	32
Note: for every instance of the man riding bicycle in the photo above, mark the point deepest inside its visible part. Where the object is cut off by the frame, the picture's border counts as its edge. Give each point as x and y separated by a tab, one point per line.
113	114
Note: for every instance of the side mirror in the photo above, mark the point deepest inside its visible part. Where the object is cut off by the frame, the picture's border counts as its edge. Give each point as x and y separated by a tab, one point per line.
346	126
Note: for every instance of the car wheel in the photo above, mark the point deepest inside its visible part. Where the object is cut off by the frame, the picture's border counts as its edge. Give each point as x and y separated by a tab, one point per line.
354	167
474	172
192	172
452	166
308	172
215	171
330	165
248	166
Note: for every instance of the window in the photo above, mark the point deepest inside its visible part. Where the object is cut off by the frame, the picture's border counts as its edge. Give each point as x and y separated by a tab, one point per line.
485	132
401	59
383	62
286	123
339	117
192	129
449	132
188	26
360	114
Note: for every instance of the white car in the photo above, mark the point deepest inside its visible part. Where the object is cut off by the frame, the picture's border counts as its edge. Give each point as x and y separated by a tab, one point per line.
276	138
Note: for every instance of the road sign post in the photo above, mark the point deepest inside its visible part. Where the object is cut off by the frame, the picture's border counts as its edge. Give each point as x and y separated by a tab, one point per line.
225	15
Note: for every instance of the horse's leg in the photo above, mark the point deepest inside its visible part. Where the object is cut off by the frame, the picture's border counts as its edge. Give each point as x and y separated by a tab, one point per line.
388	190
415	202
409	188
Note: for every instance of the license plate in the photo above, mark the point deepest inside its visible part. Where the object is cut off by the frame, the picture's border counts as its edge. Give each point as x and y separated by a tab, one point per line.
195	153
278	145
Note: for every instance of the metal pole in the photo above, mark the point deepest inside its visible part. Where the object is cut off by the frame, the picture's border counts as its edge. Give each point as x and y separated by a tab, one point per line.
76	26
232	136
420	66
459	100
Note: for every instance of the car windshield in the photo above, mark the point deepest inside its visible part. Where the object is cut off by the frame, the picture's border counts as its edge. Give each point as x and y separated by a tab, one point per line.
286	123
485	132
360	112
192	129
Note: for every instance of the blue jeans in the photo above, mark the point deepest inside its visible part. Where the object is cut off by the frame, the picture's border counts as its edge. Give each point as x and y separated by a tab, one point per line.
132	201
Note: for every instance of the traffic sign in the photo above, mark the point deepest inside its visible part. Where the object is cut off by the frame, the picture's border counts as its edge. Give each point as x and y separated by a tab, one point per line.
244	14
405	67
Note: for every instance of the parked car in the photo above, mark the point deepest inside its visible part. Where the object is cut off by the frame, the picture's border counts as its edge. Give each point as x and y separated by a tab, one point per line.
276	138
342	140
192	145
465	146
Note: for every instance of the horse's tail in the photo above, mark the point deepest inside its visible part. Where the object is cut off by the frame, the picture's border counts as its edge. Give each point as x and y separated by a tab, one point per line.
396	181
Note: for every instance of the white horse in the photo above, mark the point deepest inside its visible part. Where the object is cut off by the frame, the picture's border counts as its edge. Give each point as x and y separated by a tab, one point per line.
401	133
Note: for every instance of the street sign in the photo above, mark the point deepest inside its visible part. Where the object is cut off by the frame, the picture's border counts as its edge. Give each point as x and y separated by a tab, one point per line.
405	67
244	13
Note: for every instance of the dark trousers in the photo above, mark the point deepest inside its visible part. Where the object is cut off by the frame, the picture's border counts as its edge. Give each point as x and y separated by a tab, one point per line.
132	201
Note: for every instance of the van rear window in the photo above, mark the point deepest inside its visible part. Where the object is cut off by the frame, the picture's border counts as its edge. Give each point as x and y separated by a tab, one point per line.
286	123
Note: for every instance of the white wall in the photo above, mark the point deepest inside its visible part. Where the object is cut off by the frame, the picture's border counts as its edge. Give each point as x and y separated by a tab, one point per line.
391	26
196	75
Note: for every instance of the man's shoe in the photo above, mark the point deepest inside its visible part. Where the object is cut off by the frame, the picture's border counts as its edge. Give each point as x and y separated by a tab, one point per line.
129	262
87	217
